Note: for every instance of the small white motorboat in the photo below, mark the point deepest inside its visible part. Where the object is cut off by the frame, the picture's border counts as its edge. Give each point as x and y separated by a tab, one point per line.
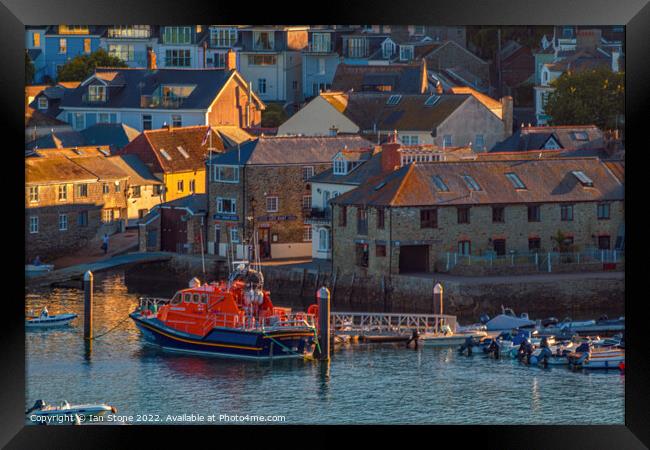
507	320
41	411
448	338
47	320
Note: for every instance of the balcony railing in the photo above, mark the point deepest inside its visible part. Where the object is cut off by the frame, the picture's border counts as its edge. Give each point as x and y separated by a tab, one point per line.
155	101
318	215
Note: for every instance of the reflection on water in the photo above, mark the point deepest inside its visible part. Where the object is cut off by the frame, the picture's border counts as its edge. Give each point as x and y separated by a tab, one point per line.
362	383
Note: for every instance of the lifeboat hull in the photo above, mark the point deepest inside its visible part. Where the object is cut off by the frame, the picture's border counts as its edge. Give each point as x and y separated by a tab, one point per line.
291	342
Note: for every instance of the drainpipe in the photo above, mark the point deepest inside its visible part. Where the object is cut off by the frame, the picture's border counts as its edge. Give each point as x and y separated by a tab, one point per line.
248	105
390	242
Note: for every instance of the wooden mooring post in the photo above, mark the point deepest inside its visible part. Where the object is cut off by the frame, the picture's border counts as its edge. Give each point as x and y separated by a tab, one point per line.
88	305
323	296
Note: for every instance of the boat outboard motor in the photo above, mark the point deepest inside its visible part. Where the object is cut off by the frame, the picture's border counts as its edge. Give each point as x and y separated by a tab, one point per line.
38	405
467	346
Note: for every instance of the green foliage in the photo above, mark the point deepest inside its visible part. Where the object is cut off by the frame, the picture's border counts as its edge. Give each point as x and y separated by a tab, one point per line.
562	242
81	67
273	116
591	97
29	70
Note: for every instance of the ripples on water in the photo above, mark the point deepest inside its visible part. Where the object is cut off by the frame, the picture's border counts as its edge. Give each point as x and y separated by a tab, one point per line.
364	383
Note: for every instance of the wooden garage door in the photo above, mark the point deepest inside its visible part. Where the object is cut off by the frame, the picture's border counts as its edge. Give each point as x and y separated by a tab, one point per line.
173	233
413	258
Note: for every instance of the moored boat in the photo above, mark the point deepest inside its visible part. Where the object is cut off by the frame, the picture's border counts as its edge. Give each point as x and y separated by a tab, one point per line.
41	411
233	318
507	320
45	320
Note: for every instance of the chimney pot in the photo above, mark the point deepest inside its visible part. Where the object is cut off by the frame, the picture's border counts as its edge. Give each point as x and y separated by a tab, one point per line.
231	60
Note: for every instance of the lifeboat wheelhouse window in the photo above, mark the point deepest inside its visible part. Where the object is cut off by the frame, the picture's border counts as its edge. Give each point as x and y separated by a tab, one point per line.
176	299
204	299
187	298
196	298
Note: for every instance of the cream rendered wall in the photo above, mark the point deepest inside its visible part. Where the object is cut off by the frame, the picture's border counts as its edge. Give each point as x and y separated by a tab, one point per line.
316	119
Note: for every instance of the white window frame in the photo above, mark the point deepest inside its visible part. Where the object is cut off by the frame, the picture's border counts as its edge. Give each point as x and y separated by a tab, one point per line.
306	201
269	206
42	102
339	166
321	42
404	49
33	224
307	233
63	222
307	172
177	120
261	85
447	140
150	120
271	40
323	240
62	193
223	37
482	141
217	174
234	235
233	205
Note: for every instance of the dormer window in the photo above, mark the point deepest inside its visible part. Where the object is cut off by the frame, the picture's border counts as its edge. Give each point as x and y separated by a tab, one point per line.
96	93
340	166
387	49
405	52
418	30
42	103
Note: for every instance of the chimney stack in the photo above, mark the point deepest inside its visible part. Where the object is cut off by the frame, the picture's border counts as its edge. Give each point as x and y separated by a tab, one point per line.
390	156
588	40
231	60
151	59
507	115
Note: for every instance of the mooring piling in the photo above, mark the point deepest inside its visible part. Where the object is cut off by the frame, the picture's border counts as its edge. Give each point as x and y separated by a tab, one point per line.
88	305
323	296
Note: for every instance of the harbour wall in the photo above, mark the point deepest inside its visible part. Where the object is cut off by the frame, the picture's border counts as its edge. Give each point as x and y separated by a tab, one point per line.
575	295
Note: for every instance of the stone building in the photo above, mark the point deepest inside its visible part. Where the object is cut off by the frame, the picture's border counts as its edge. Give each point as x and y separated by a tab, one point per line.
261	187
71	197
409	219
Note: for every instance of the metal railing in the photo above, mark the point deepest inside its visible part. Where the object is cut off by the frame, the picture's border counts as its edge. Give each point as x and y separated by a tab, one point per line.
543	261
350	322
157	101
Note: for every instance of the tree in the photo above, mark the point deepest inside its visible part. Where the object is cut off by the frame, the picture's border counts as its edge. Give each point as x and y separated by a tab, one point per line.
81	67
273	116
29	69
594	96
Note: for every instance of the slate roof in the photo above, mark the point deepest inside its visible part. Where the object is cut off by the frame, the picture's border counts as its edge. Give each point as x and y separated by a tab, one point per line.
368	109
546	181
55	170
101	166
160	148
279	150
137	82
581	60
369	169
404	78
73	152
116	135
196	203
534	138
138	173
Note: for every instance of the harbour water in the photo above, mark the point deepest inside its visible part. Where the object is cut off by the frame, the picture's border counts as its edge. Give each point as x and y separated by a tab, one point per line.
364	383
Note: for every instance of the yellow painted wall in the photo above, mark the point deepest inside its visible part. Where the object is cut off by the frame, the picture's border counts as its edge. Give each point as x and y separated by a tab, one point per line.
171	184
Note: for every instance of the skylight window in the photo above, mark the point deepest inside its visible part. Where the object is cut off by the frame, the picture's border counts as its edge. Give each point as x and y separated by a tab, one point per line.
516	181
440	185
393	99
580	136
182	151
380	185
104	151
582	178
432	100
165	154
471	183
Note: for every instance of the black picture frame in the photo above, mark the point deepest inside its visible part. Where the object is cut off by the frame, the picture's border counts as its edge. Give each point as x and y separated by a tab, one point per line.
15	14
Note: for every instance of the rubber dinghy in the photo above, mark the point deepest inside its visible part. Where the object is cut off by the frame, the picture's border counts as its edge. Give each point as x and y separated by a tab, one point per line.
58	320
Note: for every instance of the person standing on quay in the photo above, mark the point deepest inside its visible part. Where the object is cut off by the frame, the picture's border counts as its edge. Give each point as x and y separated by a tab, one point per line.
105	243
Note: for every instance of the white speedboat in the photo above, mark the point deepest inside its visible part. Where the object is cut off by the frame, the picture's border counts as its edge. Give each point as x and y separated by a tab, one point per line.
507	320
65	410
43	321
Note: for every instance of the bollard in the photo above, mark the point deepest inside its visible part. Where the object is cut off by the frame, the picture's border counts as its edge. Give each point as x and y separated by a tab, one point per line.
88	305
323	296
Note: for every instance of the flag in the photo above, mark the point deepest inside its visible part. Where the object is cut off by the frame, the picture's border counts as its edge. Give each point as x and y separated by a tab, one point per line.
207	135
